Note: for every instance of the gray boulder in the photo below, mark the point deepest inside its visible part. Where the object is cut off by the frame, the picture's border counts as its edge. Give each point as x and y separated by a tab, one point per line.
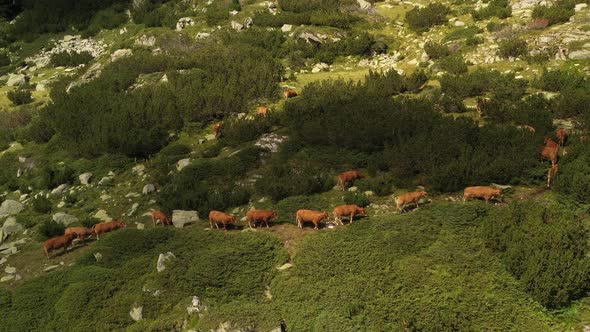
64	218
162	259
182	163
85	178
237	26
102	215
16	79
10	207
180	218
60	189
10	227
136	313
148	189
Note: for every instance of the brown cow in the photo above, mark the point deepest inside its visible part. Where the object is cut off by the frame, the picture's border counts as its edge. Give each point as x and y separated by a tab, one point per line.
411	197
348	211
561	135
527	127
480	106
348	178
217	127
308	215
552	174
550	153
289	93
63	241
262	111
107	226
221	217
550	143
81	232
264	216
158	216
487	193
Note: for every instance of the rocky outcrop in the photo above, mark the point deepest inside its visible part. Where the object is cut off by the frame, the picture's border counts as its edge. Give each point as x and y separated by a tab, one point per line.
10	207
180	218
162	259
85	178
64	218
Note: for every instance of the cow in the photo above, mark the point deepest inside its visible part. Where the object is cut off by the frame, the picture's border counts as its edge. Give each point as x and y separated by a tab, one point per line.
63	241
289	93
217	128
348	178
561	135
309	215
487	193
160	216
348	211
480	106
107	226
550	143
81	232
262	111
550	153
552	174
527	127
220	217
264	216
411	197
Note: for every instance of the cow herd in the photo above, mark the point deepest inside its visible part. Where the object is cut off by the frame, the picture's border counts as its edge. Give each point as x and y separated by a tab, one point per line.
80	233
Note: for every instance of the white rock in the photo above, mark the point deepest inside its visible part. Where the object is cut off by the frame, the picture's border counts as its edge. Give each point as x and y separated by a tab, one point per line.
136	313
352	189
140	226
580	6
97	256
40	87
180	218
85	178
145	40
285	266
196	306
107	180
580	54
3	260
10	207
133	209
459	23
139	169
162	259
121	53
16	79
61	204
286	27
148	189
11	226
105	197
182	163
10	269
102	215
51	268
60	189
210	137
237	26
6	278
365	5
203	35
64	218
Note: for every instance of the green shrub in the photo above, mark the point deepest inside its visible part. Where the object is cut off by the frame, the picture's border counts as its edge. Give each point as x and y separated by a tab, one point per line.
557	80
70	59
266	19
545	248
483	80
572	102
422	19
560	12
300	6
454	64
462	33
50	229
4	59
359	199
436	50
514	47
89	222
382	184
55	175
154	14
496	8
42	204
495	26
333	18
20	96
237	131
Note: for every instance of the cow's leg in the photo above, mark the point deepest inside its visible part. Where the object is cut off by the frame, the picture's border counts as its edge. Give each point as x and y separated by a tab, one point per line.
266	222
316	225
46	252
351	217
417	203
249	223
154	221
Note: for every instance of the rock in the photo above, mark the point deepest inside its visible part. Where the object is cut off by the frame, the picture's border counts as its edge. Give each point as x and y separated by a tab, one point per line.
105	197
133	209
11	226
196	306
234	12
581	54
365	5
3	260
139	169
424	57
140	226
105	181
61	204
180	218
210	137
3	236
102	215
237	26
162	259
184	22
40	87
10	207
459	24
64	218
97	256
369	193
148	189
85	178
286	28
51	268
248	22
121	53
145	40
182	163
6	278
10	269
136	313
285	266
60	189
352	189
16	79
580	6
202	35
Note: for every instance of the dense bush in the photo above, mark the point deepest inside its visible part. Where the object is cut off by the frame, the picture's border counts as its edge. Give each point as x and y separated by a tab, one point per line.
422	19
49	229
454	64
89	222
498	8
447	104
333	18
266	19
495	26
300	6
70	59
55	175
20	96
436	50
391	83
359	199
4	59
480	81
237	131
42	204
155	14
545	248
572	102
514	47
559	12
559	79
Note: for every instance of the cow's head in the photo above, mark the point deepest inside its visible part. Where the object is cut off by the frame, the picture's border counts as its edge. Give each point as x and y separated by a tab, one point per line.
274	214
232	219
424	194
361	211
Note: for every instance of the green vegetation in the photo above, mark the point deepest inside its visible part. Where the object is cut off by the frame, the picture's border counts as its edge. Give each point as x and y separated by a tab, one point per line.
496	8
70	59
422	19
559	12
20	96
514	47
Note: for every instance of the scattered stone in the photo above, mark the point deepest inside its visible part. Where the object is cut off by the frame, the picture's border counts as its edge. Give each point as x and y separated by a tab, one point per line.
7	278
196	306
580	6
202	35
97	256
105	197
11	226
184	22
285	266
51	268
353	189
136	313
61	204
237	26
121	53
162	259
580	54
286	27
148	189
16	79
140	226
64	218
10	207
182	163
85	178
3	236
60	189
10	269
40	87
3	260
139	169
133	209
180	218
459	23
102	215
210	137
365	5
369	193
105	181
